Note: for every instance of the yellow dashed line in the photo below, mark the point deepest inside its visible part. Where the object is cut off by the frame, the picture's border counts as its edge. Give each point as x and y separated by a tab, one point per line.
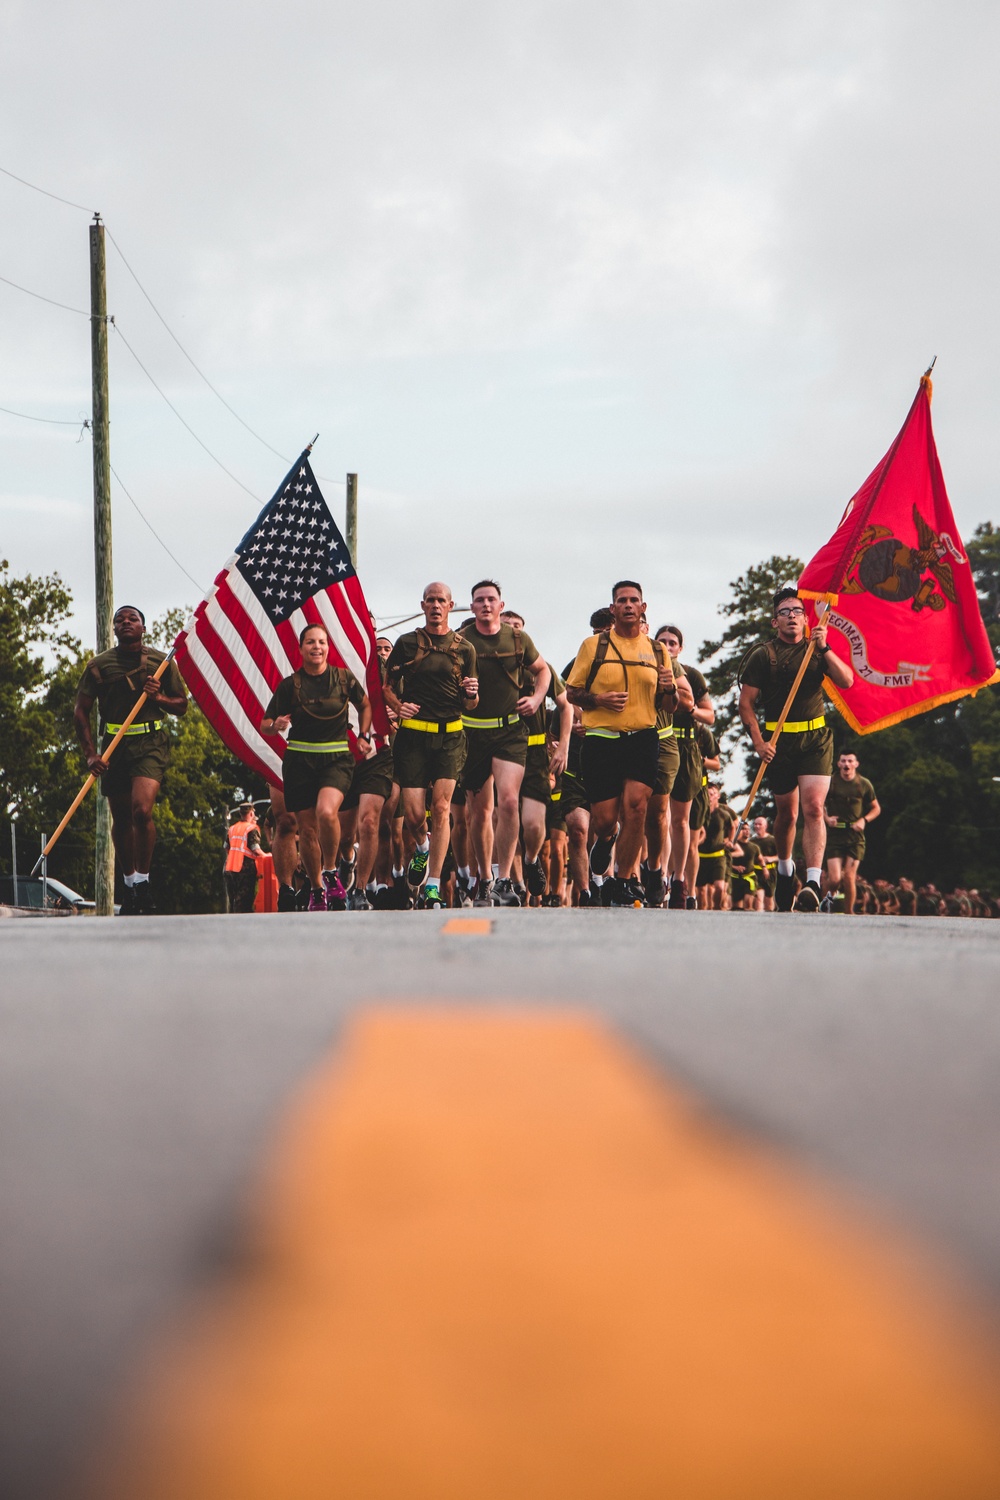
467	927
493	1259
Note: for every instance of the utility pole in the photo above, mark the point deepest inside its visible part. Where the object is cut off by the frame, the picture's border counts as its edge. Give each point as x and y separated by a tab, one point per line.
104	859
352	517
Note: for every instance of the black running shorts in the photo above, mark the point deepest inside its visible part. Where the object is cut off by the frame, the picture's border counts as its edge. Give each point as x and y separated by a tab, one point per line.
608	763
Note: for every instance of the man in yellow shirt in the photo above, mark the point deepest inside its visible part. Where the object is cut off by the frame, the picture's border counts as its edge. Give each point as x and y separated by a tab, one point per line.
619	680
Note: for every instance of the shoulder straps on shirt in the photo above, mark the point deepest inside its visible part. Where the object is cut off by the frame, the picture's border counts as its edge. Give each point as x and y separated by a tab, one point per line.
426	645
338	675
604	643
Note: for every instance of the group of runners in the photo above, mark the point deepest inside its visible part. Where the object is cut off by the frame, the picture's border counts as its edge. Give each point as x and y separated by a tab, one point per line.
504	782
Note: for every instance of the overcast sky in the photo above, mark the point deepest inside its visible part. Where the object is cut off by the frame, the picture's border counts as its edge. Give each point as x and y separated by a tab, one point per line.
580	291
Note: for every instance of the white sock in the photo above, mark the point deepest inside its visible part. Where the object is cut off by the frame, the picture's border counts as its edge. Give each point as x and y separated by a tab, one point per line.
597	880
814	873
424	847
397	874
129	880
786	867
465	872
496	872
140	876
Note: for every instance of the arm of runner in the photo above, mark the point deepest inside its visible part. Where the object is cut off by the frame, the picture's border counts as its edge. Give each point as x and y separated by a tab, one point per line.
540	672
560	750
81	718
168	693
280	725
748	718
839	673
869	815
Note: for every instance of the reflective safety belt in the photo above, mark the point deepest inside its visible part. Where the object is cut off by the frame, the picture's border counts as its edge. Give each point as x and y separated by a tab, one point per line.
614	734
432	726
501	723
685	734
328	747
536	739
800	726
666	734
136	728
711	853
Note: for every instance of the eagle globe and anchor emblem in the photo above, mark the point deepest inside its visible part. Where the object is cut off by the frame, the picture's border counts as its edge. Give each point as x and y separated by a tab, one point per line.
886	567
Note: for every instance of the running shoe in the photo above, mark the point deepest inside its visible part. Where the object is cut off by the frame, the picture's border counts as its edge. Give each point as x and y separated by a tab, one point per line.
463	890
784	892
126	907
142	898
336	896
483	896
808	898
827	902
676	899
690	903
615	893
552	899
600	854
432	898
504	894
635	893
416	870
534	876
358	901
654	887
317	901
345	869
286	898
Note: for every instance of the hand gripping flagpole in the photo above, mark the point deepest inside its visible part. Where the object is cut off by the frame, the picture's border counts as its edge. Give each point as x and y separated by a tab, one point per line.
822	608
104	755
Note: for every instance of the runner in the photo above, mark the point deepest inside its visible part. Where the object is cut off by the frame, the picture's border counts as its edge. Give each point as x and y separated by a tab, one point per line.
712	855
310	707
799	765
690	770
619	680
361	816
540	763
431	681
654	868
708	749
768	855
745	875
131	778
240	870
284	849
851	804
497	739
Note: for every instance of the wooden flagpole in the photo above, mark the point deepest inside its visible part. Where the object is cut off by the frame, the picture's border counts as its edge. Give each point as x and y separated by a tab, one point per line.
104	755
822	608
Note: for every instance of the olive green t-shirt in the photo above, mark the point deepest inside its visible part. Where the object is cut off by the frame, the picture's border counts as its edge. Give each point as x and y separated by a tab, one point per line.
749	860
498	669
435	683
538	723
115	679
848	801
699	687
716	833
766	847
775	683
318	706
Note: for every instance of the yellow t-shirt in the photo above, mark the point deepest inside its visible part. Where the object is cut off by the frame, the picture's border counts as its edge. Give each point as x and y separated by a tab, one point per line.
629	664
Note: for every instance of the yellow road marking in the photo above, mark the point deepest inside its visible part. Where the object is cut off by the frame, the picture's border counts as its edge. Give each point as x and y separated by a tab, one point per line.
493	1259
467	926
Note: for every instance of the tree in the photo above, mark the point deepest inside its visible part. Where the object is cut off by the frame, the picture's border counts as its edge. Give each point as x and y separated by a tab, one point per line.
984	559
749	612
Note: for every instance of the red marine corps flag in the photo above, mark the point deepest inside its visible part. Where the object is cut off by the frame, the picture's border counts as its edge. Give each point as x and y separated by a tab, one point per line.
903	605
292	569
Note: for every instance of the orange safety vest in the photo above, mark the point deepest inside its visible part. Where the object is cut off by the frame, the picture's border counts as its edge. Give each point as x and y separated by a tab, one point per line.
238	850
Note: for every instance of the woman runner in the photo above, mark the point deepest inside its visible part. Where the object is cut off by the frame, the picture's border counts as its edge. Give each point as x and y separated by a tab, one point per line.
311	708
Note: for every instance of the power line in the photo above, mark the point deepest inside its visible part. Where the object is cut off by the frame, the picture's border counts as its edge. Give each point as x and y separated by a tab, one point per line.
16	285
180	419
187	356
52	421
200	587
36	189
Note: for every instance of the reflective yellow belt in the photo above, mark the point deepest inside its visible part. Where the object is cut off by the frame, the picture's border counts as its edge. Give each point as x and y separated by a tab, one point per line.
711	854
432	726
684	734
668	733
614	734
135	728
329	747
555	796
536	739
501	723
704	781
800	725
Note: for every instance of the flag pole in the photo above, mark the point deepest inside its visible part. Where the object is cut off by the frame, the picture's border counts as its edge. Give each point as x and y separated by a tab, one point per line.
807	658
104	754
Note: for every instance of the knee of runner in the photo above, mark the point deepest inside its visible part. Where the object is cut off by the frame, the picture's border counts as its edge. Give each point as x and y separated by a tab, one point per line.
142	816
285	824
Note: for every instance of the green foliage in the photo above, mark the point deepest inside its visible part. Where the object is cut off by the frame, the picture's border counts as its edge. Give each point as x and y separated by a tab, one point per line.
984	558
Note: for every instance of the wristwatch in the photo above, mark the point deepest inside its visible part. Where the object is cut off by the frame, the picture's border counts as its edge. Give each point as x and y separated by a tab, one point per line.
822	650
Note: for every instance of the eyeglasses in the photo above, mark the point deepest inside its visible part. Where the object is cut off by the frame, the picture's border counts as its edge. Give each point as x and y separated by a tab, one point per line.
789	614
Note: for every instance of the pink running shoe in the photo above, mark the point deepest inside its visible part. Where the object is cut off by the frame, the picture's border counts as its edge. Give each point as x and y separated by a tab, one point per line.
317	901
336	896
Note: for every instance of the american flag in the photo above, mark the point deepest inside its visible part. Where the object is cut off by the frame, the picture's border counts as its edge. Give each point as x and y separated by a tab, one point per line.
292	569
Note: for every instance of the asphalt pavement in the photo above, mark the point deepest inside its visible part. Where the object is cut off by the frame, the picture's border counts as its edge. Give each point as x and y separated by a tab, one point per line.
144	1065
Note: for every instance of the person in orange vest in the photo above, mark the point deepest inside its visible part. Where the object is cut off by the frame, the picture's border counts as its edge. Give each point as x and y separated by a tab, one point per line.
242	848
